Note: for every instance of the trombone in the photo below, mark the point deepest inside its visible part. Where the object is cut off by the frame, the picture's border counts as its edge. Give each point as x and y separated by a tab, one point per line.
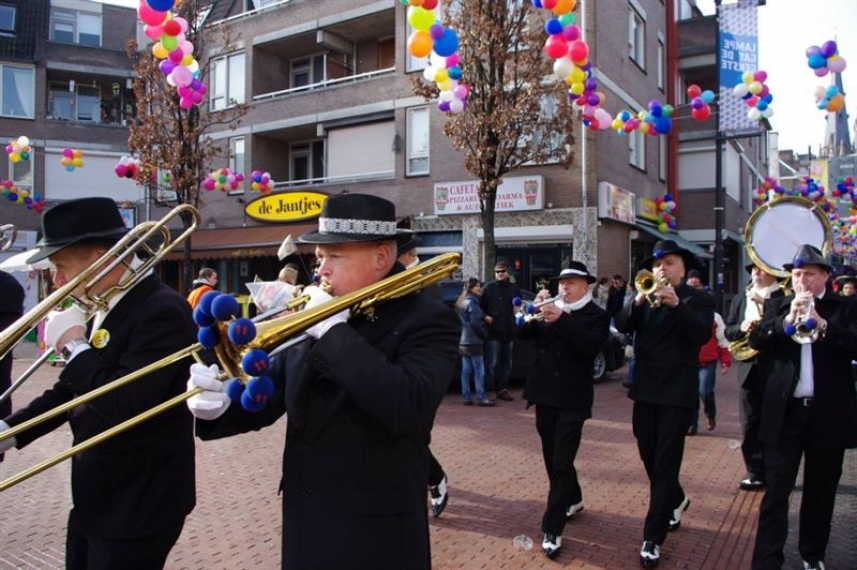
269	335
152	240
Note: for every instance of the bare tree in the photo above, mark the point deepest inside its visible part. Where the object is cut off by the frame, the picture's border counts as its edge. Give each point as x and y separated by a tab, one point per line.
173	140
517	112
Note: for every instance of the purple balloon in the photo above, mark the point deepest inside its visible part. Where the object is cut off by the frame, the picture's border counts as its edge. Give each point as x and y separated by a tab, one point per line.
829	48
571	33
593	99
195	84
590	84
812	50
443	106
436	31
166	66
697	103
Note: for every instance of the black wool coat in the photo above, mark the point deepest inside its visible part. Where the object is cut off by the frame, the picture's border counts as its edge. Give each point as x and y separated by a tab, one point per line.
666	369
833	422
762	361
561	372
143	479
360	404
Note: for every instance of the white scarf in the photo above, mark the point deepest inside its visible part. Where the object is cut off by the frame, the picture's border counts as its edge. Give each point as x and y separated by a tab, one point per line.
576	305
753	311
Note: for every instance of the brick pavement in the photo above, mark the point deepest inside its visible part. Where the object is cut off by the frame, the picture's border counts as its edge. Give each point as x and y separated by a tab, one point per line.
497	491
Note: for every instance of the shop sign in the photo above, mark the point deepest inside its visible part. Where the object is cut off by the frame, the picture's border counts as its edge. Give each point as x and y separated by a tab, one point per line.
648	210
285	206
615	203
515	194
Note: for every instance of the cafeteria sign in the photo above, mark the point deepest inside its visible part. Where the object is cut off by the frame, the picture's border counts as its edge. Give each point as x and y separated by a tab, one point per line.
514	194
285	206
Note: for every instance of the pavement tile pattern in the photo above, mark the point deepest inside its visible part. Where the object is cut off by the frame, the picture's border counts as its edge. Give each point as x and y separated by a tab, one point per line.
497	491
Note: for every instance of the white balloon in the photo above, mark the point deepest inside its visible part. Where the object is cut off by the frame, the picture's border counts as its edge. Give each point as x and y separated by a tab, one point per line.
741	89
563	67
456	106
23	141
754	114
446	96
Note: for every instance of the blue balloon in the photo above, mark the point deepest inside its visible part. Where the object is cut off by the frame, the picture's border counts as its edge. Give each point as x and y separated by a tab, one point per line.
160	5
446	44
663	125
553	27
707	96
817	61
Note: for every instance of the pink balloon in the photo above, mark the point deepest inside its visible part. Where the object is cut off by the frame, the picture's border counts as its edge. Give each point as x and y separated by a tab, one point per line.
150	16
821	71
836	65
181	76
153	32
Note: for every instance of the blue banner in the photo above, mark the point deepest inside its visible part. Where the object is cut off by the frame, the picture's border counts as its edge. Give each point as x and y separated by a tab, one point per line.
739	52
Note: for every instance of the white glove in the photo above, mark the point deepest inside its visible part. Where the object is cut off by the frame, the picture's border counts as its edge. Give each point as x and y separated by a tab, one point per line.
318	297
212	403
6	444
58	323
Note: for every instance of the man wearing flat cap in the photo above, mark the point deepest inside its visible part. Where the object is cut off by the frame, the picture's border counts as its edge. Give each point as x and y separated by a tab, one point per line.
131	493
745	314
569	335
360	396
809	409
670	326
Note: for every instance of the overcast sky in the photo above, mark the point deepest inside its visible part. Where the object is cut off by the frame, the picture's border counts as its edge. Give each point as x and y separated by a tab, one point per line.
786	29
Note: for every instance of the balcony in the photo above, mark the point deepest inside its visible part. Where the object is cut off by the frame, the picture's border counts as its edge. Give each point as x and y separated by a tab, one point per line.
90	100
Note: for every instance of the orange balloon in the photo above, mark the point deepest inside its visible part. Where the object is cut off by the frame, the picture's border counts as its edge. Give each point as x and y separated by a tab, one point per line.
419	44
836	103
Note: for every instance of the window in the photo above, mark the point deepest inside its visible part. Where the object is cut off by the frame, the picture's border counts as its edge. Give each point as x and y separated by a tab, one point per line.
307	161
418	63
361	150
236	159
22	172
227	81
662	63
662	158
307	71
637	38
17	92
7	19
68	102
74	27
544	138
637	149
418	142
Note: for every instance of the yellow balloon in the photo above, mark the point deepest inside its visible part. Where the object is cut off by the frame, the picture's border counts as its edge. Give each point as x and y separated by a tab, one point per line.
77	162
577	88
441	75
445	85
616	124
419	18
756	87
159	51
747	77
187	59
15	157
578	75
641	115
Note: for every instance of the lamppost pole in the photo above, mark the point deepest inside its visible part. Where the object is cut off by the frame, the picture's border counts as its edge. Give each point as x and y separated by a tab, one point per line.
718	186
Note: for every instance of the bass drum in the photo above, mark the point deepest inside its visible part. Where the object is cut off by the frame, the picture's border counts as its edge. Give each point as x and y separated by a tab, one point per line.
777	228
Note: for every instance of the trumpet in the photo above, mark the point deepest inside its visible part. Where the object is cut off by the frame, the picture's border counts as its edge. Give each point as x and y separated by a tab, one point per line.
269	335
805	326
530	311
7	242
649	284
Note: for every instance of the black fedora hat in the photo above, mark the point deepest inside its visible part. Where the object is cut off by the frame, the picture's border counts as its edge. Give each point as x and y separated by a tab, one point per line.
575	269
407	243
808	255
669	247
78	220
349	218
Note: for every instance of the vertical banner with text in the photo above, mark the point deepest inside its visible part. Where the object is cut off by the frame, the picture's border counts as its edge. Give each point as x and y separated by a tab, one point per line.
739	52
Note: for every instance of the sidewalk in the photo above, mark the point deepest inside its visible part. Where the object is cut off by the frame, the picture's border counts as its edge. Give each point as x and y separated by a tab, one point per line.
497	491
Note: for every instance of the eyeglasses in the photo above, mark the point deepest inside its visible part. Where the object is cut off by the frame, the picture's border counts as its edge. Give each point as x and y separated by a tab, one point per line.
499	271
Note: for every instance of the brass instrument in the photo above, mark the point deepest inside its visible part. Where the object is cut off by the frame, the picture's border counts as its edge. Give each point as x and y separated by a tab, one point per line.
7	242
806	328
152	240
648	284
740	349
269	334
530	311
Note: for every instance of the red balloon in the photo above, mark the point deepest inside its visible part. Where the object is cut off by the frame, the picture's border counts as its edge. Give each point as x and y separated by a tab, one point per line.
702	113
693	91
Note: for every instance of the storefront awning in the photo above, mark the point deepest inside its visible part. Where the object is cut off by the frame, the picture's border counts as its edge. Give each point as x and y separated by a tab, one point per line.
688	245
242	243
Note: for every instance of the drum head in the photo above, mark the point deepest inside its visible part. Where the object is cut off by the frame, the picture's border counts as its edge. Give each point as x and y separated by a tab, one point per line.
776	230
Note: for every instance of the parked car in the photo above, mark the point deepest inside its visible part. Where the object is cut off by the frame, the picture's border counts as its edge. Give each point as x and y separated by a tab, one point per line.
609	360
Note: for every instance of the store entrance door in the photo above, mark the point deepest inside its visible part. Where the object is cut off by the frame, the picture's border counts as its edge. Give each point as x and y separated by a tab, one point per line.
533	265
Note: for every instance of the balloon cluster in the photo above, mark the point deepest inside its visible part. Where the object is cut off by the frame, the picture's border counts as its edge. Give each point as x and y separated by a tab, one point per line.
223	179
830	99
19	149
700	101
667	214
216	314
261	182
71	159
825	59
127	167
845	189
430	39
34	201
755	94
769	189
173	50
655	121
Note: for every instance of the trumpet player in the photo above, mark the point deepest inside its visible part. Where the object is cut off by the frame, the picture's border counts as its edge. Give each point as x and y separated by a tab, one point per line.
745	314
669	330
809	409
569	337
360	397
131	494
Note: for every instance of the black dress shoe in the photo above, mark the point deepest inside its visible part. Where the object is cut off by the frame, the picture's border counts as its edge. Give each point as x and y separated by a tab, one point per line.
650	554
752	483
675	521
505	395
486	403
439	497
551	545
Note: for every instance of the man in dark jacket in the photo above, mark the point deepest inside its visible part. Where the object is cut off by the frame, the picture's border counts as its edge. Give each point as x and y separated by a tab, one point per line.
668	337
809	409
571	333
11	308
360	398
745	314
496	303
616	295
131	493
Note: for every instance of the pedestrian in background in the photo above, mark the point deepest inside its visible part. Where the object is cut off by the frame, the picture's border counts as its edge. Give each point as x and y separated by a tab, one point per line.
11	309
571	332
601	292
206	282
496	303
473	333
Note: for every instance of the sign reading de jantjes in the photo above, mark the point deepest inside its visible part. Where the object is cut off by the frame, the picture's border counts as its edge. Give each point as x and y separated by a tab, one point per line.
285	206
515	193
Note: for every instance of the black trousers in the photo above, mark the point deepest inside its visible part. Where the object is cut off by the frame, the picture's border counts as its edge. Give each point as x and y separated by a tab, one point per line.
435	473
660	432
750	411
821	471
560	431
86	552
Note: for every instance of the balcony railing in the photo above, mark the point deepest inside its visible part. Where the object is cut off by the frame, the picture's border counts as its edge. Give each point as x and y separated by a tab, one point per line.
345	179
324	84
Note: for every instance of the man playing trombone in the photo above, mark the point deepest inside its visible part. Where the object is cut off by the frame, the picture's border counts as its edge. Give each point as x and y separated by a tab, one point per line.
745	314
360	395
671	323
809	408
131	494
